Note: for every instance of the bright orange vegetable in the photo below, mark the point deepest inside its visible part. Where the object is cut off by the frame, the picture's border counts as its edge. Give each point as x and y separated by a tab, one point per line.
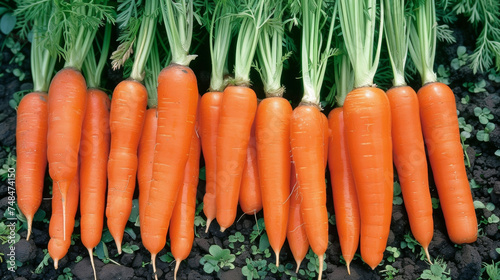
273	147
438	114
250	198
31	139
345	199
128	108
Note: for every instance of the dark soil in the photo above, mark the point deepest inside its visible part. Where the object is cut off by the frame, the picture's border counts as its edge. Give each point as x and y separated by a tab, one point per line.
463	261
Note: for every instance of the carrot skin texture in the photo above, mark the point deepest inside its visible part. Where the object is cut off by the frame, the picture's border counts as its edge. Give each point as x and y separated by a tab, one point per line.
438	115
307	142
145	154
209	122
237	114
94	152
345	199
128	107
67	101
296	231
273	149
250	197
60	238
31	149
182	224
177	106
411	162
367	120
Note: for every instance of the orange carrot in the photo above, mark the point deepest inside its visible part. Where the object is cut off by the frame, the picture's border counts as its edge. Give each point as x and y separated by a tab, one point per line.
237	113
250	198
411	162
31	139
209	122
296	231
67	101
94	151
145	156
307	142
273	142
128	107
60	237
345	199
442	138
367	120
182	224
177	105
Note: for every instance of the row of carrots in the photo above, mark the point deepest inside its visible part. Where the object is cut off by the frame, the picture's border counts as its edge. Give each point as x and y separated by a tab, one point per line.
259	155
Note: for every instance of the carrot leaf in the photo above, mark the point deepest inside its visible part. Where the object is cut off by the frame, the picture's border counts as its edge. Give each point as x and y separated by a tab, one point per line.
423	40
314	57
358	19
221	32
91	70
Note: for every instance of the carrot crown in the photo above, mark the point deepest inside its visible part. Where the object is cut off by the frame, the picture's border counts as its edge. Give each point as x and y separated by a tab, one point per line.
221	33
36	15
357	19
423	41
397	38
91	70
80	21
313	59
252	21
179	20
270	51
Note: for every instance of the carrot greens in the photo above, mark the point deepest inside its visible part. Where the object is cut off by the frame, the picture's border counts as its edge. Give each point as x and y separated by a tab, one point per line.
91	70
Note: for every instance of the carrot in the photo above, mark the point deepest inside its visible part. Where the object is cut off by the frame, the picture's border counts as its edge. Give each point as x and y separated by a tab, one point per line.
67	101
235	121
345	199
442	138
273	142
309	129
296	232
31	139
182	224
441	133
221	34
307	142
32	114
367	125
411	163
237	113
94	151
128	107
145	156
250	198
60	232
408	143
209	122
128	113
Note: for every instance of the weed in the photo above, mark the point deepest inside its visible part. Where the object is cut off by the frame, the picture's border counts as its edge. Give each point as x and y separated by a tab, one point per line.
410	243
9	164
465	100
217	259
484	115
394	253
461	58
167	258
237	237
254	269
397	199
443	74
435	202
43	263
389	272
493	270
437	271
258	228
129	248
66	275
484	134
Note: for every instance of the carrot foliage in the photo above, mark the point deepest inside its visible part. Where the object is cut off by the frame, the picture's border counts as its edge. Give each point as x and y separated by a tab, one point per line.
91	70
358	22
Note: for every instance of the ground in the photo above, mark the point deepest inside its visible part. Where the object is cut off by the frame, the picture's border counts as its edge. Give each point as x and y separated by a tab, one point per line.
403	259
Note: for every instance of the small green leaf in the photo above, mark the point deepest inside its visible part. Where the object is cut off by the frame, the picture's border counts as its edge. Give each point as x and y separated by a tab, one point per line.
131	232
493	219
497	153
135	211
477	111
490	206
397	200
461	50
483	119
263	242
455	64
106	236
13	104
7	23
479	205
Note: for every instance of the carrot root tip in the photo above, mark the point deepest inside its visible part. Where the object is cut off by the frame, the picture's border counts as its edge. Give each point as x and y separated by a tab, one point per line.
348	264
320	274
298	266
92	262
426	249
153	262
119	246
177	264
30	223
56	263
222	229
277	258
209	221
